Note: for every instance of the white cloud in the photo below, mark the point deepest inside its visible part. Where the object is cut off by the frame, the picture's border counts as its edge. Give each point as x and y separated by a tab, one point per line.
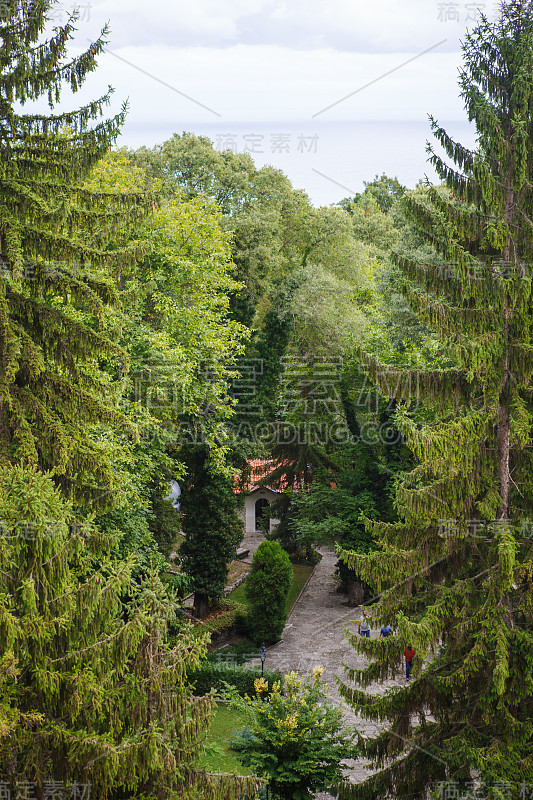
277	59
351	25
268	63
266	83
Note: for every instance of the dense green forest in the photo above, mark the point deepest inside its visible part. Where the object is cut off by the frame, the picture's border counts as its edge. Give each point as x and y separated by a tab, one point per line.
175	313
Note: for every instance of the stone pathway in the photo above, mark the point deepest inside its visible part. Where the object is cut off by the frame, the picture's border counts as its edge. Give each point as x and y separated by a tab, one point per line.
251	542
315	636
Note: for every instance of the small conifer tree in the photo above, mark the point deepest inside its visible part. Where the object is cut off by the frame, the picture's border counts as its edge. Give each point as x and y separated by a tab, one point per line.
267	587
211	524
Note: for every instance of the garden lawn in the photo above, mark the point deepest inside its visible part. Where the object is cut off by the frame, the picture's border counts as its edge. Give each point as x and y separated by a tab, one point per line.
300	573
225	721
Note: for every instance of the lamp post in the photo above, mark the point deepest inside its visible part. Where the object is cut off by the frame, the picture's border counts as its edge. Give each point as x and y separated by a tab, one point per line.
262	653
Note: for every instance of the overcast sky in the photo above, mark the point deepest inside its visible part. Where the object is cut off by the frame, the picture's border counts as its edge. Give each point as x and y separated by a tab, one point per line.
299	67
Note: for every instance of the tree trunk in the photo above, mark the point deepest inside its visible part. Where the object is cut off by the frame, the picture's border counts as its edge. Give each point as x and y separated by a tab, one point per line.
504	476
201	605
356	592
504	421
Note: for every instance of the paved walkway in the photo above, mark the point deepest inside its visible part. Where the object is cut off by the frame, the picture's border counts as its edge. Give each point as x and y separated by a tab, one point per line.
315	636
251	542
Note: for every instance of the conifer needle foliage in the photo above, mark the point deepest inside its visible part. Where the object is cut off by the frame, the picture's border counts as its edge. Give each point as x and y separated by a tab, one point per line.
92	692
456	572
60	247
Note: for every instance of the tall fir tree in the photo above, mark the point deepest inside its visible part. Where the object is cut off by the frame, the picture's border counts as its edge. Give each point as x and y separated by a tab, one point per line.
211	524
456	572
59	248
92	691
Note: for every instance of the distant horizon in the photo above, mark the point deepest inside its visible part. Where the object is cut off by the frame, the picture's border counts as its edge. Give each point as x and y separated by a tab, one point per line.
331	166
300	67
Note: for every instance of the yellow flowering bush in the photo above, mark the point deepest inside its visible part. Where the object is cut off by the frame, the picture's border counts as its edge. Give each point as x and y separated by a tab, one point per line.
294	738
260	685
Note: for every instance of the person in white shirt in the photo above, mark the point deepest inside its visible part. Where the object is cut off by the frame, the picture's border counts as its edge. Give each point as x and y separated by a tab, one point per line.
364	624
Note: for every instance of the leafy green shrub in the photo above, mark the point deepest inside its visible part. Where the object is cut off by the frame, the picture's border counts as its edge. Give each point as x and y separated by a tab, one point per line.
294	737
242	621
308	557
213	676
181	584
267	587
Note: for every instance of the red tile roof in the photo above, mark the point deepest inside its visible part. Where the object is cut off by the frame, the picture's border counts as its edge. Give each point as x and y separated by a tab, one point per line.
260	468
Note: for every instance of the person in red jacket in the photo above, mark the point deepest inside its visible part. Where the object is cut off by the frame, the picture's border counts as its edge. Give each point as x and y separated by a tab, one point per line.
408	653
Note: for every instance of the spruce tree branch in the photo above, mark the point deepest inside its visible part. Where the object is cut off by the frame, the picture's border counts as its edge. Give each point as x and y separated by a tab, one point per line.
125	566
119	632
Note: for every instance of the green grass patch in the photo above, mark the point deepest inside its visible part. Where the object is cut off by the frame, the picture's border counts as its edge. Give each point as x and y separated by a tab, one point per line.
218	756
238	596
300	573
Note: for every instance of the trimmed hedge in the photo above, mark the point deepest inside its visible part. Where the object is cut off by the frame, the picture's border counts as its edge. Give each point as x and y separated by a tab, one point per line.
212	676
266	588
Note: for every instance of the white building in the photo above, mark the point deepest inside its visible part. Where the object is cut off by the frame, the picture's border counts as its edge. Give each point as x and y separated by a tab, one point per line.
254	506
258	498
